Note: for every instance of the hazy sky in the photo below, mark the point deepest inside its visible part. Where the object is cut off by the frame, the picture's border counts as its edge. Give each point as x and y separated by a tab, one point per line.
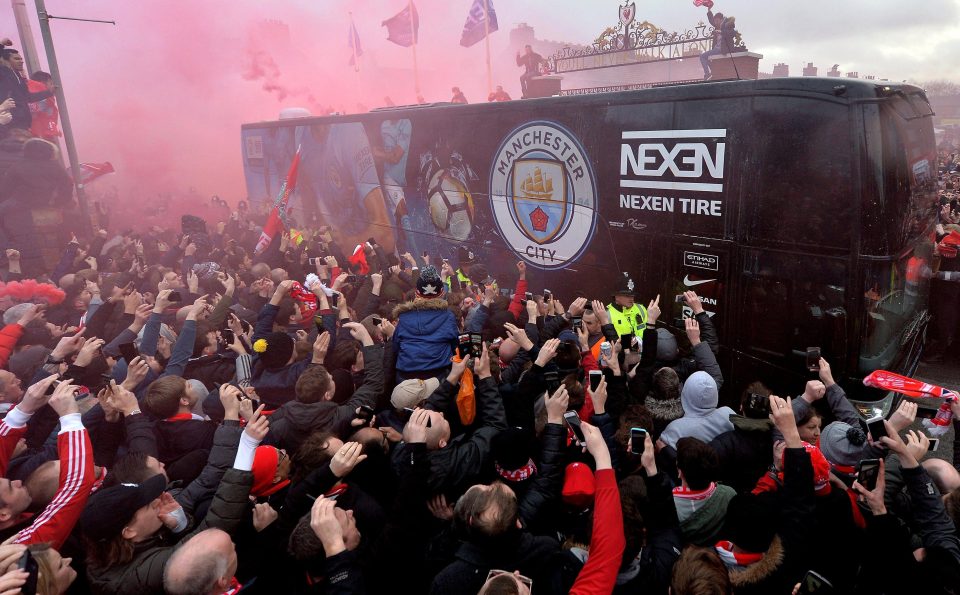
162	95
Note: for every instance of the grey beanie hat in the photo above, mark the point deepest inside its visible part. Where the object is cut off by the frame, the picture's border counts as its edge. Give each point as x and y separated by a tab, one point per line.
842	444
667	350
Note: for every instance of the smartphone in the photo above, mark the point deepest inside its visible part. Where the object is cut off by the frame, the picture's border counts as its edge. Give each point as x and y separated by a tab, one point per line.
815	584
577	322
680	299
595	377
128	351
934	445
227	336
424	254
626	340
813	359
476	344
573	420
175	296
366	413
376	321
876	427
464	344
758	402
334	300
351	279
28	564
313	260
528	296
547	295
869	471
638	437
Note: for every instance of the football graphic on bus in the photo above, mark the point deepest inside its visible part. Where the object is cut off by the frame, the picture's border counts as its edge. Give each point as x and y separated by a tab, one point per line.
451	205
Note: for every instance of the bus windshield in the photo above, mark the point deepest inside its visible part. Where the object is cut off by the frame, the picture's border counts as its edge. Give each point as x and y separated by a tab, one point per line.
896	289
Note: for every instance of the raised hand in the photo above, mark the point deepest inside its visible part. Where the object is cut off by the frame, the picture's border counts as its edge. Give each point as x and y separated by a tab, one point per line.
599	397
457	368
556	404
230	397
258	425
415	432
577	307
601	312
519	336
693	331
596	445
36	395
482	367
547	352
653	310
781	414
136	372
440	508
90	348
263	515
347	458
874	498
692	300
326	527
905	414
359	332
62	400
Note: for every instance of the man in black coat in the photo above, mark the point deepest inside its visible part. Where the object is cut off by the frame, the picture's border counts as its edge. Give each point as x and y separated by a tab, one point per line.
14	85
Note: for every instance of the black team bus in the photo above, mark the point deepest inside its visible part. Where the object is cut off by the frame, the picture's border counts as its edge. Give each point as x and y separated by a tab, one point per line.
801	210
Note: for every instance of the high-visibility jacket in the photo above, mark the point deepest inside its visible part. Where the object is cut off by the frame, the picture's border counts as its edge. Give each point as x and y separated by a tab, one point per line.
463	279
633	320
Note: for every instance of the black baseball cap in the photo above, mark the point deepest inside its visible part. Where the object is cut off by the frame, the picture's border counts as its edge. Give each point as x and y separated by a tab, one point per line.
110	510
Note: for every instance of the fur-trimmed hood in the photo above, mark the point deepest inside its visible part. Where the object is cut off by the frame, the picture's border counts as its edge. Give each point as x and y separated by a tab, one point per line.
667	410
760	571
421	304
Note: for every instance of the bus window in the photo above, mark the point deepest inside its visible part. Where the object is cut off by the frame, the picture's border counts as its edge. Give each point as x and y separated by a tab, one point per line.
797	191
791	302
895	296
909	175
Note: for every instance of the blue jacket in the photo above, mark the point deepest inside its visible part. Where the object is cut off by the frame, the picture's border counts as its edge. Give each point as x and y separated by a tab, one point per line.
426	335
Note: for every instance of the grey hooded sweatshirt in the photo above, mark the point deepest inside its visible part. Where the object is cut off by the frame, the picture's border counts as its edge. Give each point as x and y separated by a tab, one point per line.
701	417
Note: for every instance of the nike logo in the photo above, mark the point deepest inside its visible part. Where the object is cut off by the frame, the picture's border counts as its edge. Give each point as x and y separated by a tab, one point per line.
689	283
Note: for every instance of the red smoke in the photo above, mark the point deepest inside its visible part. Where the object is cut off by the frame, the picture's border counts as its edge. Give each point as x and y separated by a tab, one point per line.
162	94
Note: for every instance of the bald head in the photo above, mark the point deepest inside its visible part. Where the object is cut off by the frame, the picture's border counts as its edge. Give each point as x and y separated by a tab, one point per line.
204	565
943	474
508	350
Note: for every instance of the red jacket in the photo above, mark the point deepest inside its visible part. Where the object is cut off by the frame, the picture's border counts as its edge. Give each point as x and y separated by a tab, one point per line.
57	520
9	335
599	574
9	436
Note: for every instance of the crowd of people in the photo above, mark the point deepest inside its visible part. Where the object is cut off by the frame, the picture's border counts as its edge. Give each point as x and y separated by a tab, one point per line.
183	416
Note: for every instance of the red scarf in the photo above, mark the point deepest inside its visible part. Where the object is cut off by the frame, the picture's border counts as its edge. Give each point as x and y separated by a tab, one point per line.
520	474
743	559
234	587
180	417
688	494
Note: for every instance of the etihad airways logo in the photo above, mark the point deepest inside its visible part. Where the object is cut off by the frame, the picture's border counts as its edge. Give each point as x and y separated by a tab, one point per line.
690	160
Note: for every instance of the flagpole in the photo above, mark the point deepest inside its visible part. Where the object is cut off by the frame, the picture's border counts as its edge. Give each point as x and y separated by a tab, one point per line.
356	61
413	46
486	42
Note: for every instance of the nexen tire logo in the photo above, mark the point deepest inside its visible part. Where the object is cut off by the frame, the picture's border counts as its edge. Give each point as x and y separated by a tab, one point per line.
664	160
544	195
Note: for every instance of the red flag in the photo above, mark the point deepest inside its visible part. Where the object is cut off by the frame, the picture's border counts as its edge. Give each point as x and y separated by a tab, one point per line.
907	386
278	215
91	171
